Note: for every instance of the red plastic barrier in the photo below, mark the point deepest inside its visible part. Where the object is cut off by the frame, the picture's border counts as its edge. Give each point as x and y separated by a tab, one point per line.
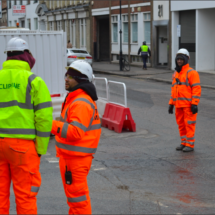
117	118
55	95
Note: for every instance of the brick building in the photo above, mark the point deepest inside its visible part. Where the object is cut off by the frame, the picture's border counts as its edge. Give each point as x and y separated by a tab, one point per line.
3	20
71	16
136	28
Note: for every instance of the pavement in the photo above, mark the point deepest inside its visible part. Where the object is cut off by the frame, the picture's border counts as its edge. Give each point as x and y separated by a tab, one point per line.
141	172
161	75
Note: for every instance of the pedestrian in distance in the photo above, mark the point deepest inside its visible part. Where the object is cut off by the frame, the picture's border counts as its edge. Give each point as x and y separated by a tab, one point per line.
77	135
185	96
25	126
69	45
145	52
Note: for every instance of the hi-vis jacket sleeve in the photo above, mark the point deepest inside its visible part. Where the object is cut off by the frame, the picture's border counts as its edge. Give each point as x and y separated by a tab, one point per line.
42	114
80	115
194	82
171	98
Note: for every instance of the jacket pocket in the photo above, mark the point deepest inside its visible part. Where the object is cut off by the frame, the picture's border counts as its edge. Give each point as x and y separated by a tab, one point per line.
35	183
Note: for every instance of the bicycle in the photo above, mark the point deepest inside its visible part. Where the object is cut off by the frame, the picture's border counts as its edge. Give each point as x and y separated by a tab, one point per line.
125	65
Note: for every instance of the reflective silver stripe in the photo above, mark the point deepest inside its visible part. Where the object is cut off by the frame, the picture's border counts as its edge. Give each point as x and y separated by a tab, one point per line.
183	83
62	119
183	137
197	84
64	130
187	82
77	199
190	138
75	148
183	141
191	122
79	125
196	97
17	131
43	134
35	189
85	100
191	143
42	106
184	99
94	127
174	84
174	100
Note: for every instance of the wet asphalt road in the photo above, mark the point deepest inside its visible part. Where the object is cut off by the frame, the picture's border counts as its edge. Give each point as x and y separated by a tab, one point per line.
141	173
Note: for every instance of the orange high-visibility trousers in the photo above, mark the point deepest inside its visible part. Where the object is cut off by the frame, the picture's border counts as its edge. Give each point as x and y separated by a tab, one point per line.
19	162
186	121
77	193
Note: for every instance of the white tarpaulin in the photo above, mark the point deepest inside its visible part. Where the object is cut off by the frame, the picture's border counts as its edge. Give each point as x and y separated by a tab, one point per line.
0	10
19	10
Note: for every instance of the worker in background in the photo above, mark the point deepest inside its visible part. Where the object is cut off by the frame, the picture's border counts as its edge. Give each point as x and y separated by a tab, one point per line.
145	52
77	135
185	96
25	125
69	45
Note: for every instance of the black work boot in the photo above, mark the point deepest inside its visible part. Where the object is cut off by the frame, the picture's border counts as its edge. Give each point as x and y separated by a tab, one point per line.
188	149
180	148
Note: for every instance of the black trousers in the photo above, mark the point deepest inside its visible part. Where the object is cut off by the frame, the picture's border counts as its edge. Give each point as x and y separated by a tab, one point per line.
144	58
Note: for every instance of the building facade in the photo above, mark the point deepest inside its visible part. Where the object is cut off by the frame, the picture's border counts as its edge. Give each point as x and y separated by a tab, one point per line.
73	17
29	20
193	28
161	34
3	20
135	24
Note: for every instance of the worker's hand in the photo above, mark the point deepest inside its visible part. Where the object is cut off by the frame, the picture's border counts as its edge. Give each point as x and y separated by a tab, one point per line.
194	109
39	155
171	107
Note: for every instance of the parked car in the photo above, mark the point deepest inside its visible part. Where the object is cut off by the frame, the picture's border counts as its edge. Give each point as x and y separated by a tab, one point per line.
78	54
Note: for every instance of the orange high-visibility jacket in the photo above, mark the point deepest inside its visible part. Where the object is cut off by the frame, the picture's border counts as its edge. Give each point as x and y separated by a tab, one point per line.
79	129
186	88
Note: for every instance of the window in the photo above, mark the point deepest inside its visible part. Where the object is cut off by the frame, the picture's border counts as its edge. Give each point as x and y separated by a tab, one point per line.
147	27
83	32
51	26
125	28
59	26
58	3
29	23
115	29
72	32
35	23
23	23
20	2
9	4
28	2
14	2
134	28
35	1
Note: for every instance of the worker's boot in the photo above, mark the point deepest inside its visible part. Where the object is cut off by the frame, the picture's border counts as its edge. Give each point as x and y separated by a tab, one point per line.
180	148
188	149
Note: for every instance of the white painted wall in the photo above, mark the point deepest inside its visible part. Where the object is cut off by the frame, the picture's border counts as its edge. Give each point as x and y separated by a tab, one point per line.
190	5
30	14
205	39
165	10
175	40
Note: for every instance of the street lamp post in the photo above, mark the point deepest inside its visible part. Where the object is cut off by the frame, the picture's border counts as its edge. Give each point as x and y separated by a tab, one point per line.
120	53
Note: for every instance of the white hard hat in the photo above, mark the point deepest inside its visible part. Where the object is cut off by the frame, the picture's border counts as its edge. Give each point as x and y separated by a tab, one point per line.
184	52
83	67
16	44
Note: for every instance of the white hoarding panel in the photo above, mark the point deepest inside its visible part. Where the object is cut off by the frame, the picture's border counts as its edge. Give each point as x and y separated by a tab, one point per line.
49	50
19	10
0	9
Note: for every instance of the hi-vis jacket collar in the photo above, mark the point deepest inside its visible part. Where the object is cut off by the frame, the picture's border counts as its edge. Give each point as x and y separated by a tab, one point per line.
73	94
184	68
16	64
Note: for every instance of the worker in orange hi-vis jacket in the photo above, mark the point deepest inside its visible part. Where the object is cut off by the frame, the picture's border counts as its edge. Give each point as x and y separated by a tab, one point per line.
185	96
77	135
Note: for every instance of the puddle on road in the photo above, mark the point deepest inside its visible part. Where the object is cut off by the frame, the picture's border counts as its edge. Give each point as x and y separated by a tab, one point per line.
106	133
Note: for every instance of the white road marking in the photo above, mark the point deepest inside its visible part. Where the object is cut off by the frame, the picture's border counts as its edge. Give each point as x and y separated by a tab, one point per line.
47	153
52	160
99	169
